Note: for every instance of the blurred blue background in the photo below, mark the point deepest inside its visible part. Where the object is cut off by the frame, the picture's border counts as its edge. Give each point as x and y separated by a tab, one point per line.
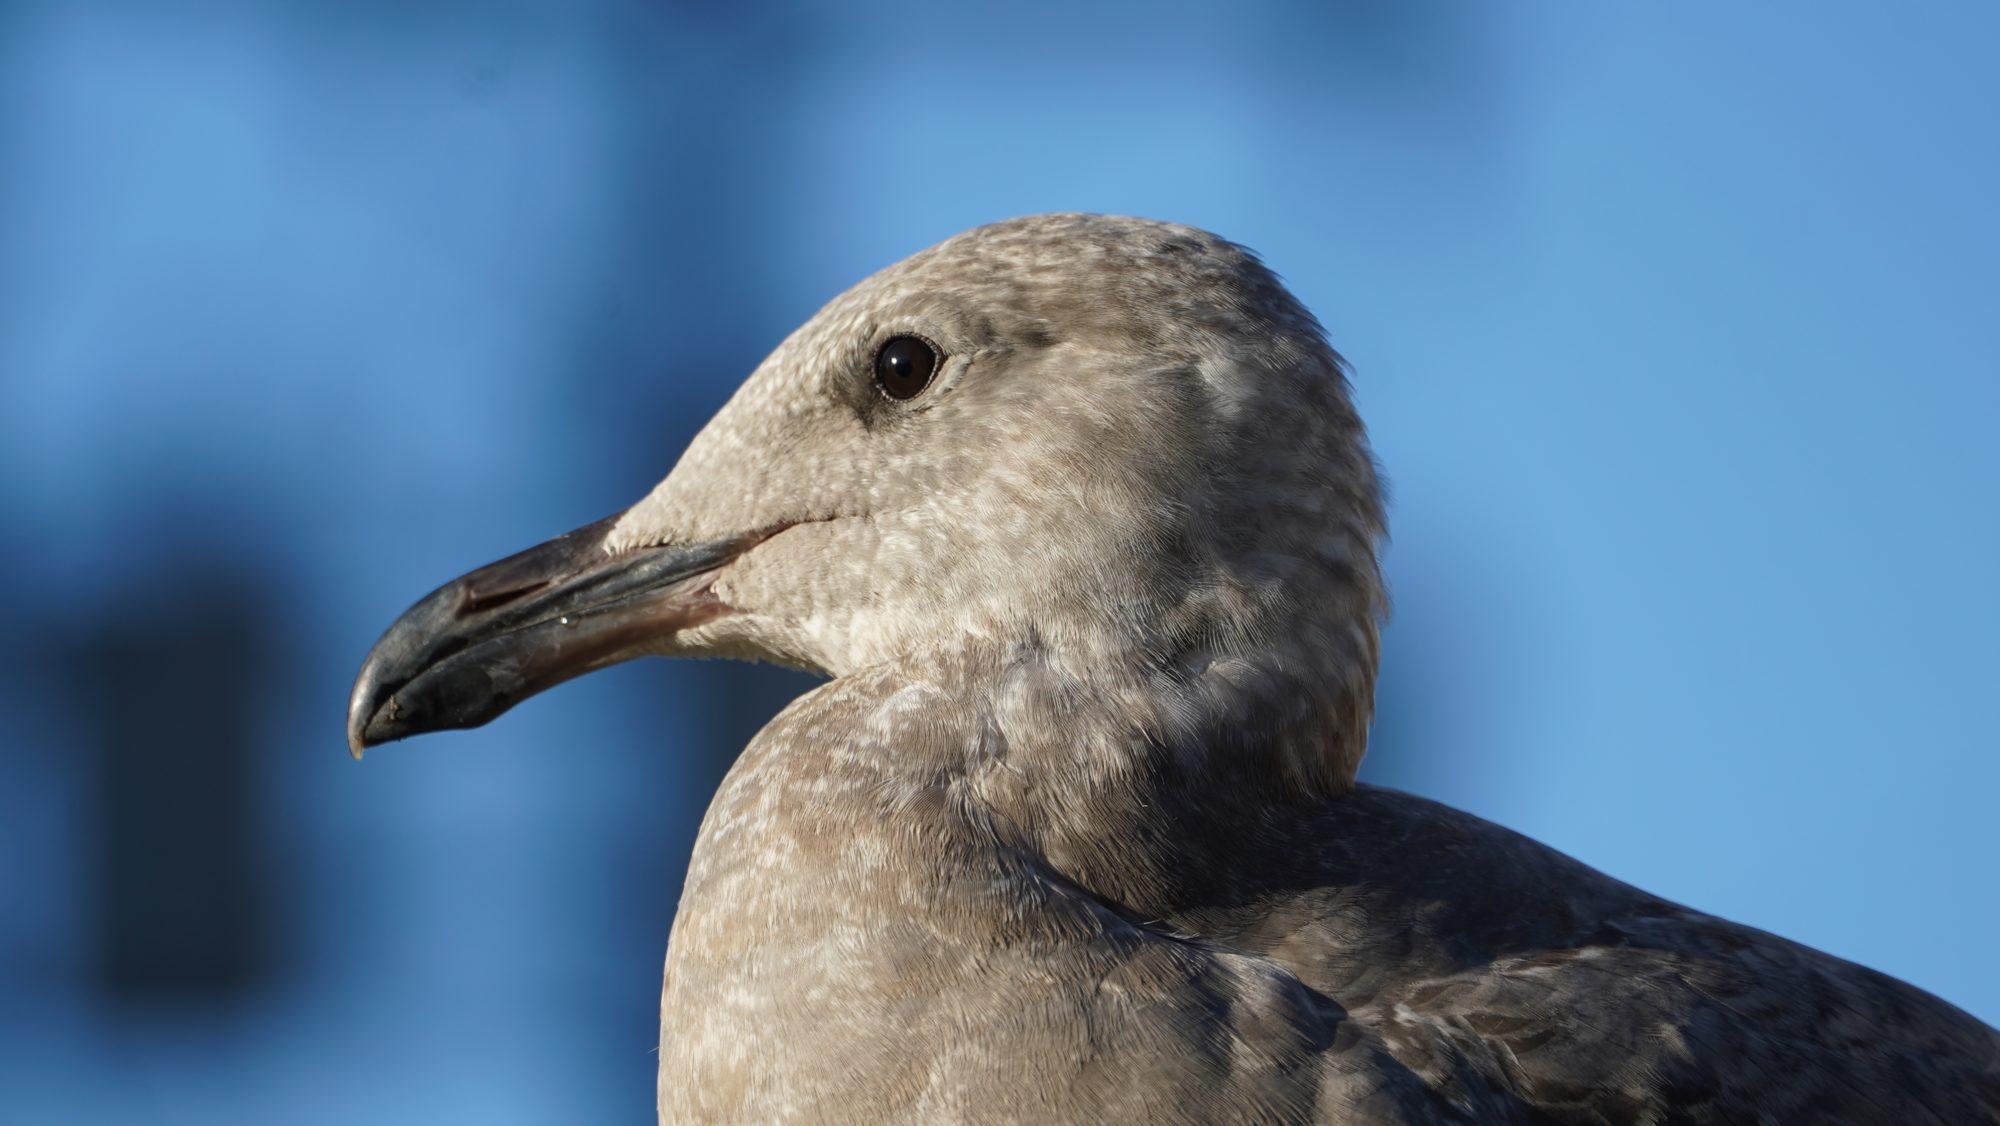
1674	328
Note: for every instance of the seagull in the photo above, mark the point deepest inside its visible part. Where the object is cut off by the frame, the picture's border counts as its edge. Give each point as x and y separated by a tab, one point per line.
1077	517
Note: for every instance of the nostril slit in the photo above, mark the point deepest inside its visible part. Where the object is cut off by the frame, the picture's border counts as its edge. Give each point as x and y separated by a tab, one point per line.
478	601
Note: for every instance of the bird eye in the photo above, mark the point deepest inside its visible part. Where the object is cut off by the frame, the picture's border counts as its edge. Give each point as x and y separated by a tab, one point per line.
904	366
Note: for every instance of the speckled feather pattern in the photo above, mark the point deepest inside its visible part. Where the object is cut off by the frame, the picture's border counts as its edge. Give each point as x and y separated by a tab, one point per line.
1072	833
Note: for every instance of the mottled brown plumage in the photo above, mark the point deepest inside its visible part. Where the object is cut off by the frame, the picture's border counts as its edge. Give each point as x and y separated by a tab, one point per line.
1072	835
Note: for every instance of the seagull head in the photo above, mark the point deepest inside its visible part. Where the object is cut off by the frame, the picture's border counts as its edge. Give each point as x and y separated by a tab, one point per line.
1117	444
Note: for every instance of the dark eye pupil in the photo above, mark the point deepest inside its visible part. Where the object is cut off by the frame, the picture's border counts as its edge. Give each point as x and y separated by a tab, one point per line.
904	366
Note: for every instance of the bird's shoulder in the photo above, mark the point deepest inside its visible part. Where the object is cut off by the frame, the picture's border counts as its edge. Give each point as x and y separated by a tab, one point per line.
1490	967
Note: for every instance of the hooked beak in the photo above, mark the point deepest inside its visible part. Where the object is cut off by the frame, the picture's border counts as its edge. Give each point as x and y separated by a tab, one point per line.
482	643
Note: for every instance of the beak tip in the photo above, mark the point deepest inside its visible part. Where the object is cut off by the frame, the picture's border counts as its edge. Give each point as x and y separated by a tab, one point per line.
361	708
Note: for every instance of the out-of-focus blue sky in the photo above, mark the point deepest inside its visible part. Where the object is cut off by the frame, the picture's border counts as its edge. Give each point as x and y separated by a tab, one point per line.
1673	327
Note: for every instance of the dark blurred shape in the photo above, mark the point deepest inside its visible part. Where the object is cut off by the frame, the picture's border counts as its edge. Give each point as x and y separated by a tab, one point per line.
647	846
743	698
673	327
167	685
